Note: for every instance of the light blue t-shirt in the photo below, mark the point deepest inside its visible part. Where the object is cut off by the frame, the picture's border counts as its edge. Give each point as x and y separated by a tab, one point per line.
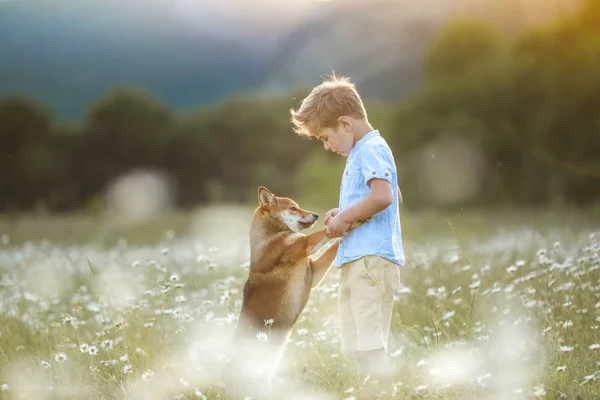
370	158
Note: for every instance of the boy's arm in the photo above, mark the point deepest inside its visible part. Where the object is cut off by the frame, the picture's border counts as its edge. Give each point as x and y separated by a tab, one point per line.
380	197
376	166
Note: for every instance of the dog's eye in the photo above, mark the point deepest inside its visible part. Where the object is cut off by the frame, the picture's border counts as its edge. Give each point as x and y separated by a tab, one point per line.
294	209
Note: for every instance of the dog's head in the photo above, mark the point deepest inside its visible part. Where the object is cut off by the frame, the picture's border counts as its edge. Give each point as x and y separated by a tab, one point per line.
285	210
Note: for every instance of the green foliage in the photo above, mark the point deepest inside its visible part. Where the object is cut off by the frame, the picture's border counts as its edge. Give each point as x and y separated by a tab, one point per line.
526	105
320	178
463	46
24	128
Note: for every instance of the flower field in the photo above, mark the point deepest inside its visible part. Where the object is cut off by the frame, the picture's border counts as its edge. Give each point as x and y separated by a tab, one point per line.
490	308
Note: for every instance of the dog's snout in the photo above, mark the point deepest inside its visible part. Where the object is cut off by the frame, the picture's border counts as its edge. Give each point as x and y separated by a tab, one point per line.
315	216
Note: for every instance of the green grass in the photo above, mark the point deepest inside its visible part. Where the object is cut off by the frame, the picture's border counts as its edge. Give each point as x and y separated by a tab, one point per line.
497	304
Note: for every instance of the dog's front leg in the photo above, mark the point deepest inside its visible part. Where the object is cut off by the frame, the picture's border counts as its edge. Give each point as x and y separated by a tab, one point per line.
320	265
316	240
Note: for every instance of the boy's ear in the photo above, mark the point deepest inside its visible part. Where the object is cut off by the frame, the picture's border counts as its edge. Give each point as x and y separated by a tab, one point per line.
265	197
345	122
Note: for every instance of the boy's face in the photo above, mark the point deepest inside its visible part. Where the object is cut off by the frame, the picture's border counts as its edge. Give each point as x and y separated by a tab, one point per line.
338	139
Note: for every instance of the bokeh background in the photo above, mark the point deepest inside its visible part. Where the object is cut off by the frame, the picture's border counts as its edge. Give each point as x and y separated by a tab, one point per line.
151	105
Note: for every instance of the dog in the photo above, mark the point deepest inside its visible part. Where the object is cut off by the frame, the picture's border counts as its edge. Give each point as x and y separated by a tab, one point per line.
283	271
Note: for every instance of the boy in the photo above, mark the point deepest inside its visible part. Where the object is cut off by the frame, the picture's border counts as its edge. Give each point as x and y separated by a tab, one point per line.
371	255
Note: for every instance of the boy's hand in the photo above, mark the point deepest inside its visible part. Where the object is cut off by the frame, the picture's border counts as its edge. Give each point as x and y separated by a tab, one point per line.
338	226
330	214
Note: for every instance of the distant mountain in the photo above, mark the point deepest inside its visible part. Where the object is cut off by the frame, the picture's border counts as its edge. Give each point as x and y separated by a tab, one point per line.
189	53
69	52
380	43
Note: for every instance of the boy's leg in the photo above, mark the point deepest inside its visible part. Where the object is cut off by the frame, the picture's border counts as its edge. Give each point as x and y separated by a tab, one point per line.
374	373
346	319
372	282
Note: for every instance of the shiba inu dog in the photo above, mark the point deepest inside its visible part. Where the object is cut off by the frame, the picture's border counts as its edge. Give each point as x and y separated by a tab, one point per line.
283	271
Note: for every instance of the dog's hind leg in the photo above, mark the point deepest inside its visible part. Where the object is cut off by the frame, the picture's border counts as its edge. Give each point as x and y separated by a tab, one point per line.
321	264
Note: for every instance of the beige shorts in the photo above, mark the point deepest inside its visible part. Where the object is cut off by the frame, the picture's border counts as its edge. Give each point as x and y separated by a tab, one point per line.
365	302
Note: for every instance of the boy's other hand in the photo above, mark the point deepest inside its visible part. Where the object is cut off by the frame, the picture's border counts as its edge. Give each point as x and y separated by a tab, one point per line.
330	214
337	226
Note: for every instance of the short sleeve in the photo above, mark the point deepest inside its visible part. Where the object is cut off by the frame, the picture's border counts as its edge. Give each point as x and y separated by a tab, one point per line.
376	162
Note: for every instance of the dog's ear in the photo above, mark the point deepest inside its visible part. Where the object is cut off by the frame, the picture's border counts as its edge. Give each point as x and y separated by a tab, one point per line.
266	198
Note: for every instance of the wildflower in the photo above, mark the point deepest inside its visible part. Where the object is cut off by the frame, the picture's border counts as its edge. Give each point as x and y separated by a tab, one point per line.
561	368
199	394
421	388
448	315
594	346
396	352
539	391
107	344
475	285
148	375
589	378
60	357
262	336
269	322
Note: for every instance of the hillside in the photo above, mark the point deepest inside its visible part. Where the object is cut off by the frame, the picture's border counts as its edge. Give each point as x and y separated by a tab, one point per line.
68	53
380	43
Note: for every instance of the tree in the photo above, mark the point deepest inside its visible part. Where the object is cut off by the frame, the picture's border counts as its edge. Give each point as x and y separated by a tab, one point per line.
125	129
461	46
24	124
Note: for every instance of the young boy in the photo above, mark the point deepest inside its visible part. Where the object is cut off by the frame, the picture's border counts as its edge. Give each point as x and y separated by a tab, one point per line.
370	256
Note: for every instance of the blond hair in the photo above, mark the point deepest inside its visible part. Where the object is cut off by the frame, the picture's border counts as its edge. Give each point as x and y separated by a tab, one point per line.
336	96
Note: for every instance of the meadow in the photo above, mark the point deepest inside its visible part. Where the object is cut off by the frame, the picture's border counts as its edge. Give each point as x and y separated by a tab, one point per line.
499	304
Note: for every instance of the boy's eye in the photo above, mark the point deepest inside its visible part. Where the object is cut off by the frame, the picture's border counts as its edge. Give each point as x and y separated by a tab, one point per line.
294	209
